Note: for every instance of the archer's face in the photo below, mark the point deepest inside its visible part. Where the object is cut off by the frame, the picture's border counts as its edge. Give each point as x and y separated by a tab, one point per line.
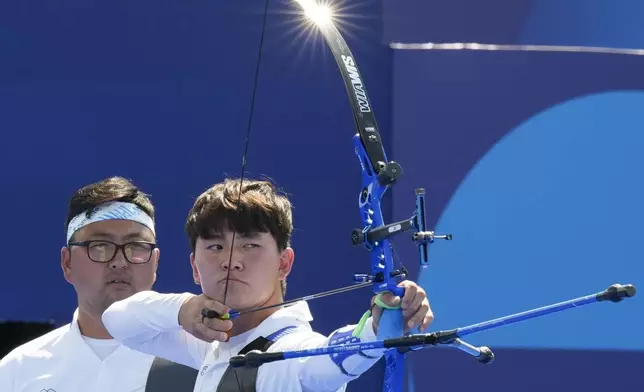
256	269
98	285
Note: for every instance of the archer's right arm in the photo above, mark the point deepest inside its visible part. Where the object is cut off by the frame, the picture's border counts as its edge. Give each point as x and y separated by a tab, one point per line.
154	324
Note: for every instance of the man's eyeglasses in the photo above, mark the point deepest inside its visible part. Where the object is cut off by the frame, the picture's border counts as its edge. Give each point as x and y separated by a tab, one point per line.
100	251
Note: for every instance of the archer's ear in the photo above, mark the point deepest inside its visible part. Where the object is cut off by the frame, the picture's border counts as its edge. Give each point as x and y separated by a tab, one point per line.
156	255
286	262
66	263
195	271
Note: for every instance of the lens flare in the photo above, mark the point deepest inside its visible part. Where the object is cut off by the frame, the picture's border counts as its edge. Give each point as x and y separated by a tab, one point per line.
320	14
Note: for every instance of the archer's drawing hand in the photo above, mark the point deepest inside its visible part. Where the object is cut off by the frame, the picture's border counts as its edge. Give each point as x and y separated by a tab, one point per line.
207	329
414	305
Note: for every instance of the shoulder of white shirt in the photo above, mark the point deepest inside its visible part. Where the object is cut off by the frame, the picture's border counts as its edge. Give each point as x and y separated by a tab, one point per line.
299	311
296	315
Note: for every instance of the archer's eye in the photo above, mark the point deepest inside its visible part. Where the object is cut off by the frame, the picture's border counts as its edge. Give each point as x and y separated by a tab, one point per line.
215	247
99	245
251	246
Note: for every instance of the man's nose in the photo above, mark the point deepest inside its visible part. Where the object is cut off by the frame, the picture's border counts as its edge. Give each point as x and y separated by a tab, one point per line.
235	263
118	261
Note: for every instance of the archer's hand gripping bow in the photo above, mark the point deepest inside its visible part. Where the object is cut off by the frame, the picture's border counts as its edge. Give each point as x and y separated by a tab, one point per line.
378	174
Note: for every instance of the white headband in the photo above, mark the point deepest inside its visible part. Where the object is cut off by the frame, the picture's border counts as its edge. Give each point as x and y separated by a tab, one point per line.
107	211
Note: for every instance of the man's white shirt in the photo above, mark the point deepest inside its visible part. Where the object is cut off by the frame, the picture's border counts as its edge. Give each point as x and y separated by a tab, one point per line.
65	361
149	322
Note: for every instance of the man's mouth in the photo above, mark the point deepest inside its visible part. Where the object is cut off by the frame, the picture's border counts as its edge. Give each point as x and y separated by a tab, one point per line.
230	280
118	281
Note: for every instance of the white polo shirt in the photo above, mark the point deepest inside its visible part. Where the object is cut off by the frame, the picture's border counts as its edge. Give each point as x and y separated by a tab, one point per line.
65	361
148	322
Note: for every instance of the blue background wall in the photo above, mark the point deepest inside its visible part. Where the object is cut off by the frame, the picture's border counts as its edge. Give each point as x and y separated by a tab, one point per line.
529	159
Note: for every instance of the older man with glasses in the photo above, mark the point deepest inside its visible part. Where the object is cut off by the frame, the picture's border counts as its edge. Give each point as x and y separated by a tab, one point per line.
110	254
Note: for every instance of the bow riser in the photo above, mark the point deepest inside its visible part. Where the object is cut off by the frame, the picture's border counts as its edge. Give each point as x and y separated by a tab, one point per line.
375	236
370	205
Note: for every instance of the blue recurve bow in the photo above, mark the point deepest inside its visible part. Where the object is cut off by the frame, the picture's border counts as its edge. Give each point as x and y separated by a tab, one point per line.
378	175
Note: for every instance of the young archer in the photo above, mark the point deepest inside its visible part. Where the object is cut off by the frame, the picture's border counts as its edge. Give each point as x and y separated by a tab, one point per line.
250	275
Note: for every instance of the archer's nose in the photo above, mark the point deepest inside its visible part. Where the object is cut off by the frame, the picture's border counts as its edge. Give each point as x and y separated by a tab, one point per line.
234	265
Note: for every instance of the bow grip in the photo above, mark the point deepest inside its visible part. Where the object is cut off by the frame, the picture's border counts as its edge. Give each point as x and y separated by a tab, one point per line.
397	291
392	323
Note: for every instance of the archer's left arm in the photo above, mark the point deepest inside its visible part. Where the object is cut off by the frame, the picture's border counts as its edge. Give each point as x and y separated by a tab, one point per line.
331	372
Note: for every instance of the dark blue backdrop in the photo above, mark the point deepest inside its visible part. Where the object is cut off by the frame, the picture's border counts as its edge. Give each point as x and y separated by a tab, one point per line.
531	160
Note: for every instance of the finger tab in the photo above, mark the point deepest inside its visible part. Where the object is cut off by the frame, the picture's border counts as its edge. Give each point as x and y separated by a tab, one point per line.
210	313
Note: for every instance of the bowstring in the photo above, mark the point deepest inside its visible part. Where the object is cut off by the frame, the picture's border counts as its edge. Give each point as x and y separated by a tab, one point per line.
247	142
244	156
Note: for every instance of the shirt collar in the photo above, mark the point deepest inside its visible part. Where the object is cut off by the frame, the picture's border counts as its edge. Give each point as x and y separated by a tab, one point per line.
77	338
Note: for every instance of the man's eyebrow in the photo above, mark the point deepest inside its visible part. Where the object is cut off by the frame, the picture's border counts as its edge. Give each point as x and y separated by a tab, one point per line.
214	235
101	234
130	236
137	236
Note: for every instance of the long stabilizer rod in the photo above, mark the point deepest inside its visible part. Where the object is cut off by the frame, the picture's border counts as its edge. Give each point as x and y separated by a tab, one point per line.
614	293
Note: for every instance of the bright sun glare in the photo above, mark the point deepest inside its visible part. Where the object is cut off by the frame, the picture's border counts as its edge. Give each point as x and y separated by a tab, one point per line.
320	14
